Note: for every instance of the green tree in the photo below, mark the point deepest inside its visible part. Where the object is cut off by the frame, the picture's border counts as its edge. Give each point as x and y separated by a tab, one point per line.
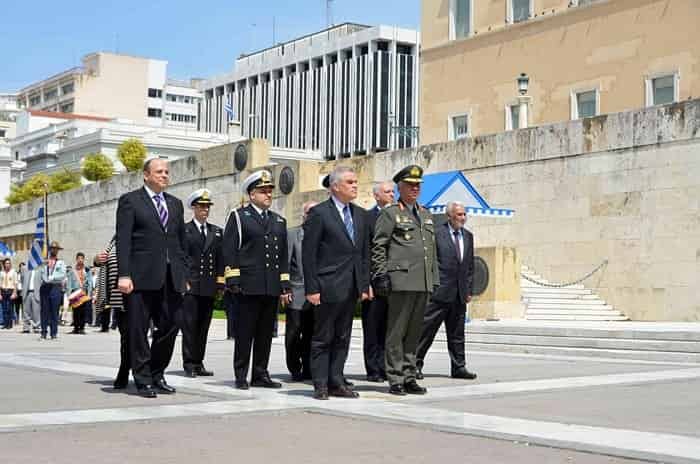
32	188
132	154
64	180
97	166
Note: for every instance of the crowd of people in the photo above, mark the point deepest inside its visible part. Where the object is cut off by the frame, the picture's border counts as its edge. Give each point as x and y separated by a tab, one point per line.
160	274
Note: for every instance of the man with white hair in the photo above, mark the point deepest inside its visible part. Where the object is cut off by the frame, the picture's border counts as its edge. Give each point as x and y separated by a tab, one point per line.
455	251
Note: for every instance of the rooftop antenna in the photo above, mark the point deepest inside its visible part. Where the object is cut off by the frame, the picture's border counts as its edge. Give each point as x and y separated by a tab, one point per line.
329	13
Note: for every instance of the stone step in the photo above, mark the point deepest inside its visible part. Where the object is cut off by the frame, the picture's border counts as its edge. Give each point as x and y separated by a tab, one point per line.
573	312
658	356
567	306
557	291
585	342
571	317
564	301
625	330
525	284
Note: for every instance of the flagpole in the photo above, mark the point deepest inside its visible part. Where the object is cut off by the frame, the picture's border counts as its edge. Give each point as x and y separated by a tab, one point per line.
46	222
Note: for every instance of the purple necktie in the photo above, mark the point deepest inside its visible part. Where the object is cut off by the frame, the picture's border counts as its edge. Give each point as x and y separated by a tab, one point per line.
162	212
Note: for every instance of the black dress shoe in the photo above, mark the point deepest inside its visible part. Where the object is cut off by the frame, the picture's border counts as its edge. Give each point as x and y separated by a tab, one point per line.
414	389
242	384
343	392
163	387
202	372
320	393
348	383
122	381
419	374
397	390
463	373
265	382
146	391
190	373
375	378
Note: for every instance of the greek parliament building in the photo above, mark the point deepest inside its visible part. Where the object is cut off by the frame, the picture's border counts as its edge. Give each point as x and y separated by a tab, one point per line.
347	90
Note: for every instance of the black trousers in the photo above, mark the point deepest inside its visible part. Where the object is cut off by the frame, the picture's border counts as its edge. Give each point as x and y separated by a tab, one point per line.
231	306
374	335
196	319
79	316
255	321
105	317
331	341
122	319
453	315
297	339
148	362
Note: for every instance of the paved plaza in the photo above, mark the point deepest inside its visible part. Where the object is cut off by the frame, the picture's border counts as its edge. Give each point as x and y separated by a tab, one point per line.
59	407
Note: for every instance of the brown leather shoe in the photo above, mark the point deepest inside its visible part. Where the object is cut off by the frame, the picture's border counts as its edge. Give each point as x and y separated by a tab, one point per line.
343	392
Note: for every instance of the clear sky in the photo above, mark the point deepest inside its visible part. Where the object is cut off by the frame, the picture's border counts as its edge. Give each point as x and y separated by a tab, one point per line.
199	38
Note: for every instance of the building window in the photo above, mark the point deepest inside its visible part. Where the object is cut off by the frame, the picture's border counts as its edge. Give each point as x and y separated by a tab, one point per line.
67	88
519	10
460	18
2	133
34	100
585	104
513	117
458	127
67	107
51	94
662	89
155	112
155	93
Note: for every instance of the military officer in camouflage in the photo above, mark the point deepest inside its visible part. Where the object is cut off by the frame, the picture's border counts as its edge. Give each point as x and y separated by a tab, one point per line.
405	269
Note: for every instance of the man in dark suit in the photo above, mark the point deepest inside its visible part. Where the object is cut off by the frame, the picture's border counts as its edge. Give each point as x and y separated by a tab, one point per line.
203	242
299	326
153	268
257	274
455	251
374	310
336	273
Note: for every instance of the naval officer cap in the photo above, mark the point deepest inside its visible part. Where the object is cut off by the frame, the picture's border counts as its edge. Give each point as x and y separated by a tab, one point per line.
201	197
412	174
258	179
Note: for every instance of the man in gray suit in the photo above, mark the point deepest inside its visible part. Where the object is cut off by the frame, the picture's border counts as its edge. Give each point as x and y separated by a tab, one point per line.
300	314
31	300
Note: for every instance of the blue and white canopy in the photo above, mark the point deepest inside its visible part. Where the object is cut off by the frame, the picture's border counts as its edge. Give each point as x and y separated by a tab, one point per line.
441	188
5	251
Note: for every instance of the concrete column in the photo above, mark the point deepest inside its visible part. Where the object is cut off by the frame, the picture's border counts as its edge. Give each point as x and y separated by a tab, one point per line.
523	103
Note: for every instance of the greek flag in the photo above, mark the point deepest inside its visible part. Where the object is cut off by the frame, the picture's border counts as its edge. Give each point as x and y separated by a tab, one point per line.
37	251
228	107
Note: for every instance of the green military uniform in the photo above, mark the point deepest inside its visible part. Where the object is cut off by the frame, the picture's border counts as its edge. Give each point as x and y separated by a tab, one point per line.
404	249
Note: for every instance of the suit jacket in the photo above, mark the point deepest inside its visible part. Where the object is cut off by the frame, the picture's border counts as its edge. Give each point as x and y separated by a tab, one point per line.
206	259
455	276
296	269
37	284
404	248
334	266
145	248
261	265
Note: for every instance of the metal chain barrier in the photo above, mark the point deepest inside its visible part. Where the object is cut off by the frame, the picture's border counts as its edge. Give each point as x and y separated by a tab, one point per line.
568	284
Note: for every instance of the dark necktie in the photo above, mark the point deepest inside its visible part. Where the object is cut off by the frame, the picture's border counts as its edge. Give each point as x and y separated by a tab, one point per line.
265	216
202	231
347	220
415	214
456	238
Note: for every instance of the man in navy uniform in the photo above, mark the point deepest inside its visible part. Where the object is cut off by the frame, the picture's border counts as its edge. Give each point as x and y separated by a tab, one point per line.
257	274
455	252
203	244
